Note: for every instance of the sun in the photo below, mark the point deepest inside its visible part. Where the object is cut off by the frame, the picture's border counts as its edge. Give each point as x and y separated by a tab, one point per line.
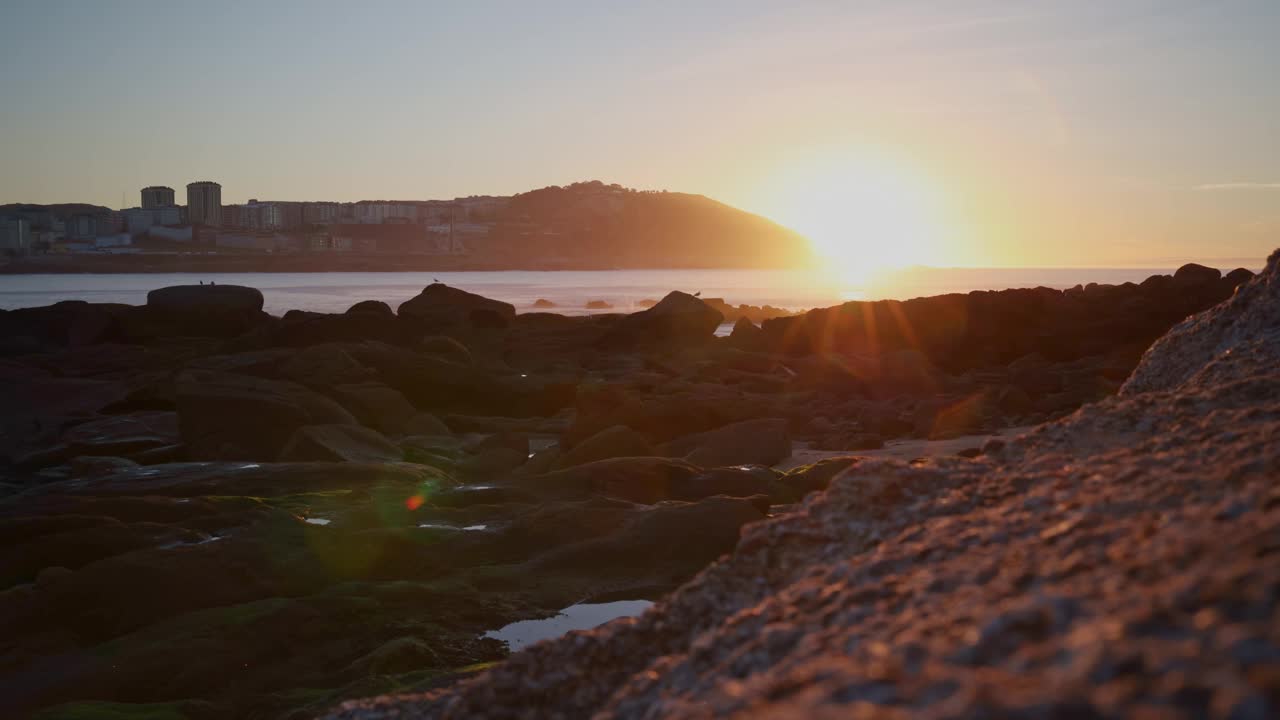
864	211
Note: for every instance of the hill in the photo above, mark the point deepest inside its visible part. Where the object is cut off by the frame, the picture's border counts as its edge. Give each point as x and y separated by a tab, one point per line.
597	224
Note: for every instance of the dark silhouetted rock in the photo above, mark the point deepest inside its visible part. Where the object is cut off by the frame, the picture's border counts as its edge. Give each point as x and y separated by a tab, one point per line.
441	306
679	318
373	307
1193	274
198	300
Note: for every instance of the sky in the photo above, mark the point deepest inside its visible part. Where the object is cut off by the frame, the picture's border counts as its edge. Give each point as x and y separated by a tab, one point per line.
954	132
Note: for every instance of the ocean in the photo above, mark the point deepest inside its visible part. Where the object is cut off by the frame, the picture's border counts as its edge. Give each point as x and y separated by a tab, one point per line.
569	290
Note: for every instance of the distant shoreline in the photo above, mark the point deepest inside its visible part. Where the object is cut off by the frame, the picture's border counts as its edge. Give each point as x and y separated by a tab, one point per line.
157	263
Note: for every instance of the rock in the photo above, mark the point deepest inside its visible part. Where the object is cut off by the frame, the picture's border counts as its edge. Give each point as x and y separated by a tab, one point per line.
679	318
746	334
90	466
373	307
1104	566
849	440
978	330
750	442
197	300
447	348
1208	347
71	323
1193	274
505	440
742	482
543	303
322	366
491	462
223	416
816	477
598	305
439	306
1237	277
339	443
301	329
643	480
377	406
206	310
123	434
617	441
435	384
675	538
425	424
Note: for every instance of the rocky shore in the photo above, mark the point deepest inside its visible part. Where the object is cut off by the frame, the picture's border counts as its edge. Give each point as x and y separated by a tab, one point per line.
212	512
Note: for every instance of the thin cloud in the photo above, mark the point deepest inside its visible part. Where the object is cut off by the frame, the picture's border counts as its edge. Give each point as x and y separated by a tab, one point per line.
1240	186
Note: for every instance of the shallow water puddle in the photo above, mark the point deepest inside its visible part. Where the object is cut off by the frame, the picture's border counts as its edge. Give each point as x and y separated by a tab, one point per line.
319	521
582	616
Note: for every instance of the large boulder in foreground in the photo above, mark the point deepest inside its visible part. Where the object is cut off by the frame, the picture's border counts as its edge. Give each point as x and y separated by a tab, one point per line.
679	318
224	416
1120	562
441	306
751	442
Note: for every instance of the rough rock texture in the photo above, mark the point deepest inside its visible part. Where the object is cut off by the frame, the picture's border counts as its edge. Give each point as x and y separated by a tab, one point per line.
1205	344
1119	562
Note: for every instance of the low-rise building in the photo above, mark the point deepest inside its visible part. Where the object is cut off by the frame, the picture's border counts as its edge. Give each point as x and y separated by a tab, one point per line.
396	237
15	236
140	220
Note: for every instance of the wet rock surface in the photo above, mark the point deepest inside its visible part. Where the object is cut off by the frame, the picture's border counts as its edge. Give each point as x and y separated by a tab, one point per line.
211	512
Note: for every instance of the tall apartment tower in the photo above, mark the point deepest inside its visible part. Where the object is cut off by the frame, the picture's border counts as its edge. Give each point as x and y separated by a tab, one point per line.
204	203
157	196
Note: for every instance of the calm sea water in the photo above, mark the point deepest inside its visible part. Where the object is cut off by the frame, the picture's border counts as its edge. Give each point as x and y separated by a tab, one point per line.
569	290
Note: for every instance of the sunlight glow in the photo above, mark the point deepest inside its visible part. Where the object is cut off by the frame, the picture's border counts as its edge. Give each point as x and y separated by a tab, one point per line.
864	211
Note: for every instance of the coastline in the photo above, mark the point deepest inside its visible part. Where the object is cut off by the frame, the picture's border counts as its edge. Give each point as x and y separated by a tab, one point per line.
302	262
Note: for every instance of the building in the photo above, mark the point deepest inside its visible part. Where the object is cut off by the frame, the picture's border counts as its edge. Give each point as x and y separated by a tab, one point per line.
157	196
389	238
86	226
140	220
204	203
15	236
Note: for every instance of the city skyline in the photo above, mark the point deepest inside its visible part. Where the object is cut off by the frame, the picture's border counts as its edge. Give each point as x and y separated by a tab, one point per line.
1056	135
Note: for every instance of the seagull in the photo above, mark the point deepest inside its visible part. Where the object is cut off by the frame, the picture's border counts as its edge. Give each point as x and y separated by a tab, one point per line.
698	294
